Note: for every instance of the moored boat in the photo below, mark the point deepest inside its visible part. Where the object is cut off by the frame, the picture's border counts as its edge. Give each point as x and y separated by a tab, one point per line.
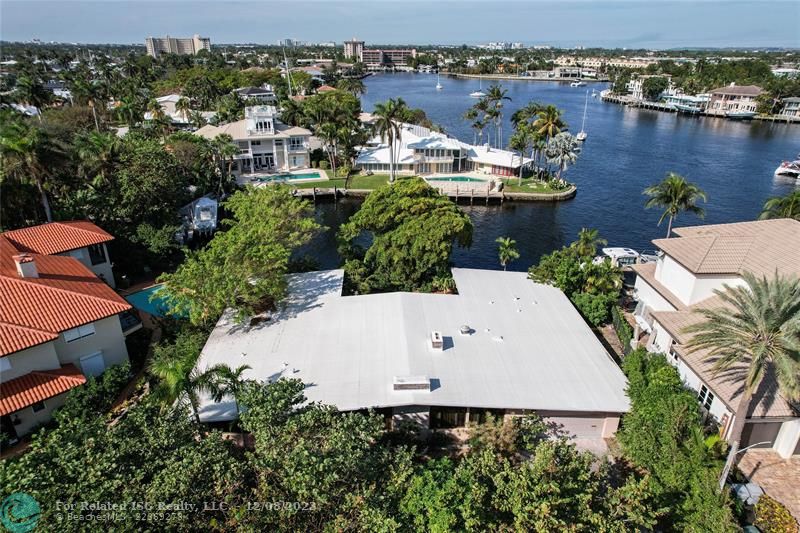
789	168
578	83
740	115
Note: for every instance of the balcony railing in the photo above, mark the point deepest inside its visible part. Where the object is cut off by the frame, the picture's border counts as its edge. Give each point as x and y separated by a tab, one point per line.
298	147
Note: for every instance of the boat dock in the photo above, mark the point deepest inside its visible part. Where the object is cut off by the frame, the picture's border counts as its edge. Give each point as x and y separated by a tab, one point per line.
456	193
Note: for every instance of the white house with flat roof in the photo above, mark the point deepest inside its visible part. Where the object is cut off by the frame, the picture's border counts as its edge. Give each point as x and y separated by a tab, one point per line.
503	344
671	291
421	151
264	142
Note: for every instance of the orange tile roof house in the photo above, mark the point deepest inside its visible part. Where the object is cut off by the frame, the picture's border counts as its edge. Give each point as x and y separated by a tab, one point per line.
59	318
682	281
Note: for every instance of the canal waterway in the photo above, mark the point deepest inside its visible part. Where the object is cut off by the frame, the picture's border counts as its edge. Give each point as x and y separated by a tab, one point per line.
627	150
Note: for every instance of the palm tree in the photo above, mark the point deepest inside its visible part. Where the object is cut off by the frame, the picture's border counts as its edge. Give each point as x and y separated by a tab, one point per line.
226	150
782	206
528	113
97	153
675	194
387	125
197	119
180	380
562	151
549	122
228	382
353	86
520	141
495	96
588	241
329	134
28	153
507	250
184	107
292	113
31	92
755	330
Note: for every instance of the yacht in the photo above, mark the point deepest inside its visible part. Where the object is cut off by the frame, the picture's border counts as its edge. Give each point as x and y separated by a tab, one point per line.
439	86
789	168
479	93
740	115
625	258
687	108
581	136
578	83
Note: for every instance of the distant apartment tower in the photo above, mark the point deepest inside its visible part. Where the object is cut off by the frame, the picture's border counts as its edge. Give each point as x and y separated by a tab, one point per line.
380	59
353	49
176	45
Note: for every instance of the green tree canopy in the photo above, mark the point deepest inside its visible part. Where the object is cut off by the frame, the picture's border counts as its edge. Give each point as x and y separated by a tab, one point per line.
413	229
243	267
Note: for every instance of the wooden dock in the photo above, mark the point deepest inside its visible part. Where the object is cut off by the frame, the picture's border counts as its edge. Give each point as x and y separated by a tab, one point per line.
456	193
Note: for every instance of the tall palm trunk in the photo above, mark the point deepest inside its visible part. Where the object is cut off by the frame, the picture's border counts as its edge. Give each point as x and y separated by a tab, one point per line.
45	202
391	160
736	435
669	225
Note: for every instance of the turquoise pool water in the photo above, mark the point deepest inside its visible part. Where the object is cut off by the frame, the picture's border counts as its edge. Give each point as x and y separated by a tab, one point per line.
455	178
289	177
147	300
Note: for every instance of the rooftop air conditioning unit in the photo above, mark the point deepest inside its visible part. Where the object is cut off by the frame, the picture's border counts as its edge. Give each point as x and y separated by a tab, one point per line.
437	341
420	383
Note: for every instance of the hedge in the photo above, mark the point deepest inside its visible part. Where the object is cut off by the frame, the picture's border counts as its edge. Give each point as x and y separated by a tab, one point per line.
623	329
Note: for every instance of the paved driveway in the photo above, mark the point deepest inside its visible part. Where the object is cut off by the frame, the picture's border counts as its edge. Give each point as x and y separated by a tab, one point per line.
780	478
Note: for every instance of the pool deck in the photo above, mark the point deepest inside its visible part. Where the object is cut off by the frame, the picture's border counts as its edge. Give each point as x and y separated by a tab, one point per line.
253	177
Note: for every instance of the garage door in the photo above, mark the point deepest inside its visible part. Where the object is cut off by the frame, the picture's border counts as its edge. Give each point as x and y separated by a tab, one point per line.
579	427
93	365
755	433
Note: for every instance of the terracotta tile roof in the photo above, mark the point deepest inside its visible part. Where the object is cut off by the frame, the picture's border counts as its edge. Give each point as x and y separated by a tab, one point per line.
760	247
739	90
325	88
767	400
65	295
37	386
57	237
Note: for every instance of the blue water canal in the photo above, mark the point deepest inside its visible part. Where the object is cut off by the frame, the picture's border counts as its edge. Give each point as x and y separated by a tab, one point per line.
627	150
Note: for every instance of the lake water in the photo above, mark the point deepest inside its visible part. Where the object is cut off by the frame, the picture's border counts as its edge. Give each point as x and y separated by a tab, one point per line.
627	150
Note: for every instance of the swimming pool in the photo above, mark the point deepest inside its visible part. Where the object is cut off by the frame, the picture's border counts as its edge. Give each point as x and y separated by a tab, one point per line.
456	178
288	177
147	300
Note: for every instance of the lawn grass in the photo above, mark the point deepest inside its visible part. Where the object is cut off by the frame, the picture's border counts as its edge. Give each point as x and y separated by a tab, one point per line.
529	185
356	182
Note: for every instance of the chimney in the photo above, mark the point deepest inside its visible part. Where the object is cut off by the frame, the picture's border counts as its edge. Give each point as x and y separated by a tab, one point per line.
26	266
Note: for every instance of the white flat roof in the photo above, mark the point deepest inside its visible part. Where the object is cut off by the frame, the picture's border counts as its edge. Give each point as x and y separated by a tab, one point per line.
529	348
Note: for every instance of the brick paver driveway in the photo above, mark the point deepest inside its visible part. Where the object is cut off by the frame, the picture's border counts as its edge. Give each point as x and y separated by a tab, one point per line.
780	478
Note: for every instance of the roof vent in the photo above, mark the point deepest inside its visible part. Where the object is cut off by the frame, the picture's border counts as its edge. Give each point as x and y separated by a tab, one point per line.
465	330
26	266
437	341
422	383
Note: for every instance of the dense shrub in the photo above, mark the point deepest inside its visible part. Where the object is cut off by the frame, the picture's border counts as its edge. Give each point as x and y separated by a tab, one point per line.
594	307
622	328
773	517
97	395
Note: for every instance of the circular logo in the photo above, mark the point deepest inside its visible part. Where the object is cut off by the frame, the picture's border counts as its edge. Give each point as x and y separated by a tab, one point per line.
19	513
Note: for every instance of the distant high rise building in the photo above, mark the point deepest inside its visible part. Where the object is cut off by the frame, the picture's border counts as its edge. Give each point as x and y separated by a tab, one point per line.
172	45
353	49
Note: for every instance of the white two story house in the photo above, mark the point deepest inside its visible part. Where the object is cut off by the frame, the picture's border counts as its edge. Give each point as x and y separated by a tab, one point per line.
265	144
59	322
670	291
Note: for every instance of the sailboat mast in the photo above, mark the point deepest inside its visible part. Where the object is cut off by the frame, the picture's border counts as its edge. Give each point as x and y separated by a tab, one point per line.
585	103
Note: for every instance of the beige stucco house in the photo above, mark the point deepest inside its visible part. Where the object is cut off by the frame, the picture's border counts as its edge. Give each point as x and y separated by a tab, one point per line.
671	291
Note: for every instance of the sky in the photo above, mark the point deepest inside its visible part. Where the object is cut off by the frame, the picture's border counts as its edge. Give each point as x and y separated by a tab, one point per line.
631	24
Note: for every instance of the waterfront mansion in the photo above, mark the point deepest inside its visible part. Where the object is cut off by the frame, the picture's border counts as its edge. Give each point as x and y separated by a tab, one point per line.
265	144
422	151
672	290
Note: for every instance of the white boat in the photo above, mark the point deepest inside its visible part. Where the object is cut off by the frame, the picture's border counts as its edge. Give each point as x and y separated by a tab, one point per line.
740	115
789	168
439	86
625	257
479	93
578	83
686	108
581	136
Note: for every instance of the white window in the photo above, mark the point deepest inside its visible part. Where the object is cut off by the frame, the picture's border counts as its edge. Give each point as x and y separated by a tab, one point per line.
705	397
5	364
78	333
